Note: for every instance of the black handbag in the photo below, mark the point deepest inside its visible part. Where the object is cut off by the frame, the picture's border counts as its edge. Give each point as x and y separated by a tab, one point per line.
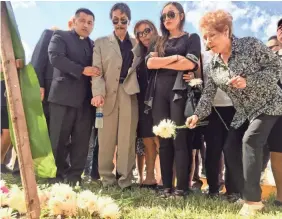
193	97
194	93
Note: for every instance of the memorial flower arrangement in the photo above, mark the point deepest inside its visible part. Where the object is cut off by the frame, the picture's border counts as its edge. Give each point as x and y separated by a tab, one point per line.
58	201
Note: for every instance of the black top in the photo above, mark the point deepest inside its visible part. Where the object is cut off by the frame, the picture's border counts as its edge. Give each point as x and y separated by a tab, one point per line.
127	55
185	46
143	80
188	46
69	54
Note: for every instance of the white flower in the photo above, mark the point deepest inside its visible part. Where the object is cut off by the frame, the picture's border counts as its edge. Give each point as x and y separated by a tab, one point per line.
2	183
86	200
43	196
62	200
16	199
110	211
6	213
3	198
166	129
195	82
55	206
69	207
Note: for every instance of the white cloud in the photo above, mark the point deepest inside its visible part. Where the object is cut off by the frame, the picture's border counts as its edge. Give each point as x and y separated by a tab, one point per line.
257	23
23	4
196	10
270	28
28	51
254	18
245	26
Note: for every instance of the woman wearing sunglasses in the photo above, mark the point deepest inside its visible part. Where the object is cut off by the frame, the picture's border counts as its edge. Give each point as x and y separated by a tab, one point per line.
174	53
145	31
248	72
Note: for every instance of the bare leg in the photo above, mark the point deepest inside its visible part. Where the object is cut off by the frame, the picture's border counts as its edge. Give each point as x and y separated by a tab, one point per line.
140	160
115	160
192	168
276	164
150	155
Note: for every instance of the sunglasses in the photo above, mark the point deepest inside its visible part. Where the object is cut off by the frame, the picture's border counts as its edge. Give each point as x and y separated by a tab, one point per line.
143	33
271	47
170	15
122	21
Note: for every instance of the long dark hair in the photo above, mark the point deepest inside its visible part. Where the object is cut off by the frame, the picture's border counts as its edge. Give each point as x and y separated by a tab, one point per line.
165	33
153	28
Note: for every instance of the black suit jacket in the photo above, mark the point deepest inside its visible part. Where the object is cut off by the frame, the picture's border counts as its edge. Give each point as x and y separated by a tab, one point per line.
67	55
40	60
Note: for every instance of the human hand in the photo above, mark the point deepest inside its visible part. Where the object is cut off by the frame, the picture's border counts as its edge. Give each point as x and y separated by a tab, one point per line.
237	82
42	93
97	101
189	76
91	71
192	121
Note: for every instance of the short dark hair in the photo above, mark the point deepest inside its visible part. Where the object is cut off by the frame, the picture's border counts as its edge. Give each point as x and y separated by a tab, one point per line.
123	8
274	37
84	10
279	23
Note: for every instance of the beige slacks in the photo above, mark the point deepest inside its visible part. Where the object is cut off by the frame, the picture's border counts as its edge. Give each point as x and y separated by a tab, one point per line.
119	129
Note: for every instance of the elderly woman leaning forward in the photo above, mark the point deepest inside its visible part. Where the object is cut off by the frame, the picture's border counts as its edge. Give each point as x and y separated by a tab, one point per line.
248	72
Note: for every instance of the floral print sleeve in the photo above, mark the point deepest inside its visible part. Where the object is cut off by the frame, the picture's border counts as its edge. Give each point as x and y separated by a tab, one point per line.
204	106
269	65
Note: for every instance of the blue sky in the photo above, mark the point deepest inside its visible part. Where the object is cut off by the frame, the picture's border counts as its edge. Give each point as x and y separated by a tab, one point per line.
252	18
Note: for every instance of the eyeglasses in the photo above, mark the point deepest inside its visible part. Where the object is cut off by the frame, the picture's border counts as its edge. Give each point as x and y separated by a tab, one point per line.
122	21
280	27
273	46
143	33
169	15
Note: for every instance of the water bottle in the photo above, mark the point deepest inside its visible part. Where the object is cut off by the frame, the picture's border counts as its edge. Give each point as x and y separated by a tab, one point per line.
99	118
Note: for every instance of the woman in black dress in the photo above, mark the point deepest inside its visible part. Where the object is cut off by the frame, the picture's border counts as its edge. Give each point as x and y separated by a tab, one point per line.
145	31
174	53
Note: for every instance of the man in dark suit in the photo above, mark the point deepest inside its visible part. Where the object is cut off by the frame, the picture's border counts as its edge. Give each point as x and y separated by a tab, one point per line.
71	114
43	69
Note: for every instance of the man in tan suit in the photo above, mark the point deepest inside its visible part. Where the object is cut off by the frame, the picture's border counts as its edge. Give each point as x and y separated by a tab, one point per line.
115	90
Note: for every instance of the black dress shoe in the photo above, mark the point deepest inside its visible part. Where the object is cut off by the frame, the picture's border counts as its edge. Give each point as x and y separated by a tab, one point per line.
213	195
147	186
277	203
55	180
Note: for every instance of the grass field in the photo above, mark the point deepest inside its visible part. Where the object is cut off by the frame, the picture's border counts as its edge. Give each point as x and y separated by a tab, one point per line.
145	204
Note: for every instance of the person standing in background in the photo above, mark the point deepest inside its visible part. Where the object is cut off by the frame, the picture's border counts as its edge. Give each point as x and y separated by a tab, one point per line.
43	68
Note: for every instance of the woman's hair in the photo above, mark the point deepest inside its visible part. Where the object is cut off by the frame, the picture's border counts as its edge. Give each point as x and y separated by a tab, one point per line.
165	33
153	29
217	20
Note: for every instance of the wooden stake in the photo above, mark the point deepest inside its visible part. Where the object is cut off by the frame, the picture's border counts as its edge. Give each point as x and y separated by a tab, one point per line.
14	98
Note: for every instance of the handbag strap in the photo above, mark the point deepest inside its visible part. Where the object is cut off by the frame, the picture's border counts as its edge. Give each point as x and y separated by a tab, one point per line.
200	68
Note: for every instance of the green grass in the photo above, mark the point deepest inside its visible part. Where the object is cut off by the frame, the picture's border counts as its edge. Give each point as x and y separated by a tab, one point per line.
145	204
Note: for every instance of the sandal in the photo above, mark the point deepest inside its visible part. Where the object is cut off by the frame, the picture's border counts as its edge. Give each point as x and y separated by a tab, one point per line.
165	193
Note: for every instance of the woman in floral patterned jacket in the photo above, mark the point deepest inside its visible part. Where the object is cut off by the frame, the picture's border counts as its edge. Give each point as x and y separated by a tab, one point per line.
248	72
